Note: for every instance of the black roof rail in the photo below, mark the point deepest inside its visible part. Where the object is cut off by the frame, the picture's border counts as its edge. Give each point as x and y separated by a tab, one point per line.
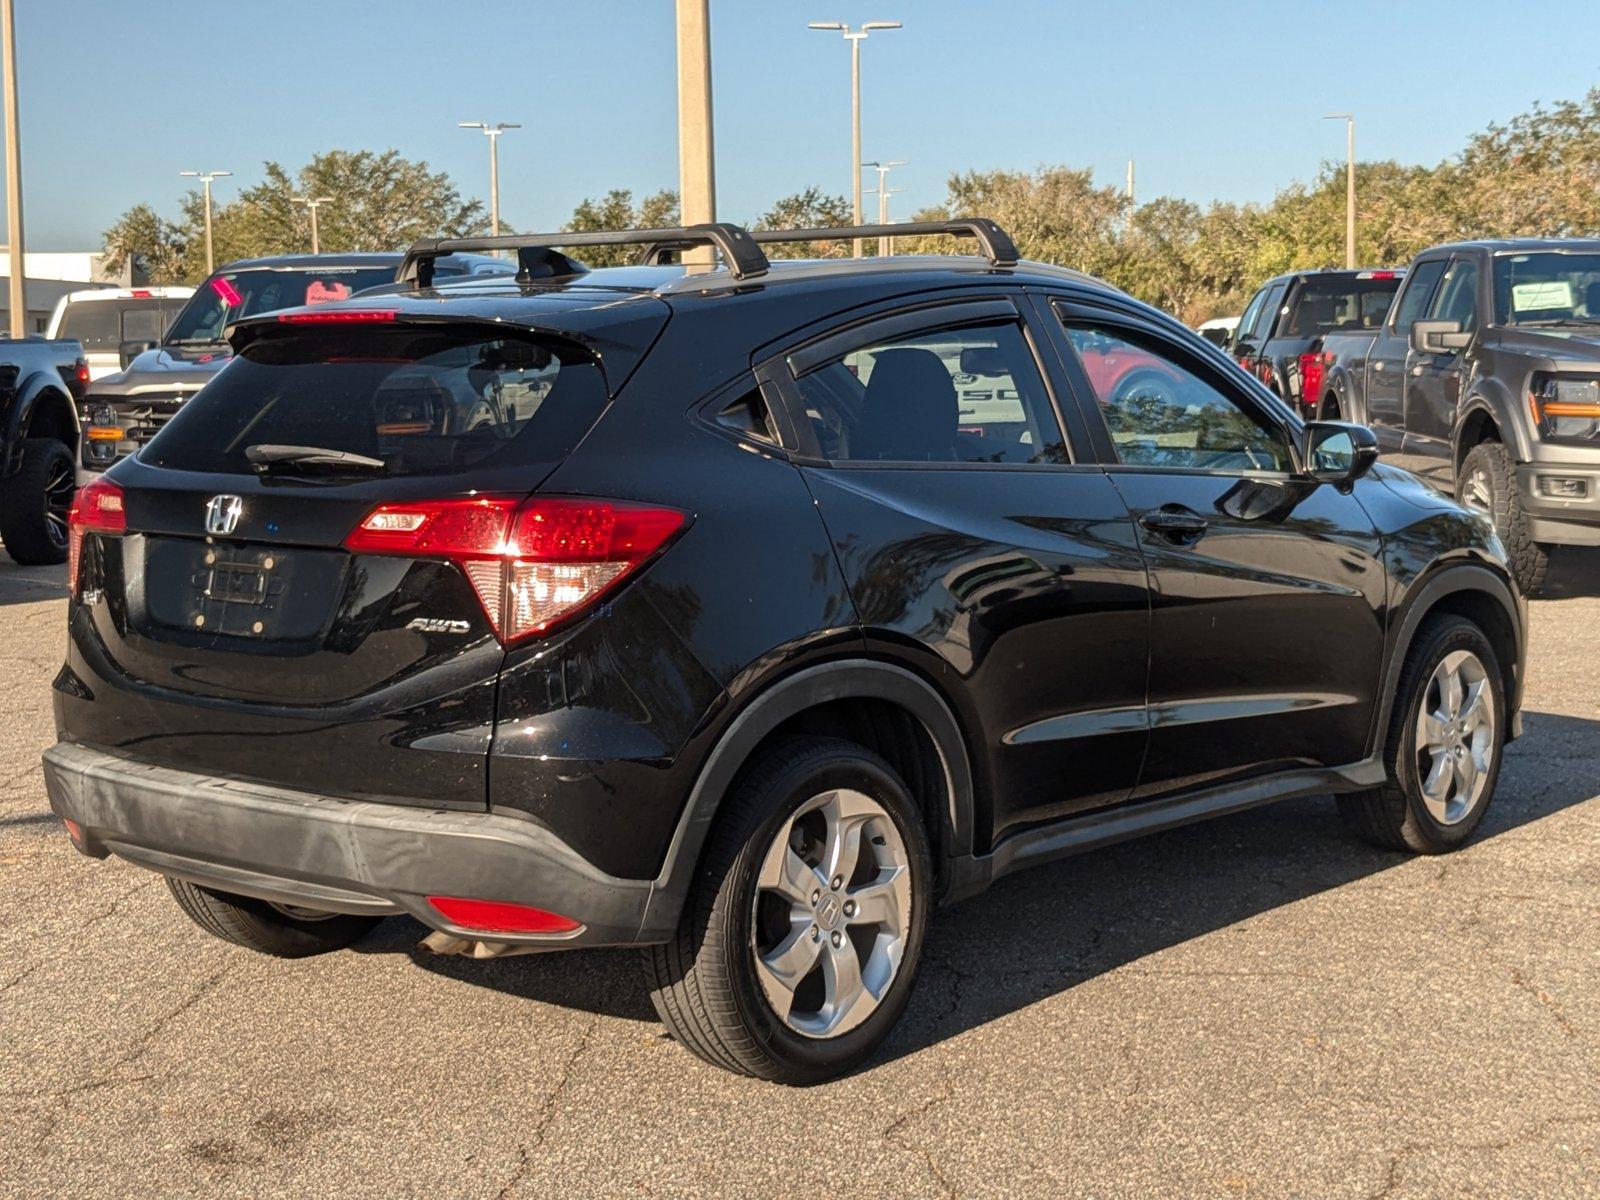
995	242
742	257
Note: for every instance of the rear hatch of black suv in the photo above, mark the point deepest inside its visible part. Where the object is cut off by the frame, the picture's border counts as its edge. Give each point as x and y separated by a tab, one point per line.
306	579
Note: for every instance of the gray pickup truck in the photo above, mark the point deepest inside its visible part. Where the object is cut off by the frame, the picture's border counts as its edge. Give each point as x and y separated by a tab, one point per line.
1484	378
42	382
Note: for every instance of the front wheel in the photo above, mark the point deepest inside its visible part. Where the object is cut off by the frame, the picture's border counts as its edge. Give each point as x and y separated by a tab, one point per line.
1487	484
800	938
1446	737
35	501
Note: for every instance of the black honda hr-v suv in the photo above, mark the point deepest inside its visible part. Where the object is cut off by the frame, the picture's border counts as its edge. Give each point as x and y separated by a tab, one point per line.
745	612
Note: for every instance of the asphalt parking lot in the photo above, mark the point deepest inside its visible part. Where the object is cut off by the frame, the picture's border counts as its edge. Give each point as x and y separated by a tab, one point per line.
1254	1007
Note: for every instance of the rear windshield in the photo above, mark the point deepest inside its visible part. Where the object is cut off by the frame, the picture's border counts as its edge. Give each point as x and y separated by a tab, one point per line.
1325	304
103	325
229	295
426	402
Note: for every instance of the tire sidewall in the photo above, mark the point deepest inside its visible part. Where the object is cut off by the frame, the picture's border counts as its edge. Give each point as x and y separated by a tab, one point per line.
801	1055
1457	635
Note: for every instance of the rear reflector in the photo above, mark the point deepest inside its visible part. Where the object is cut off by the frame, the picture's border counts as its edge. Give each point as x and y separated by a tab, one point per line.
534	563
96	508
498	916
73	831
339	316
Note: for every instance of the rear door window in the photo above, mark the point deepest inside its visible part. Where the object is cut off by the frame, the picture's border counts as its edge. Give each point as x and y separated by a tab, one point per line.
423	401
966	395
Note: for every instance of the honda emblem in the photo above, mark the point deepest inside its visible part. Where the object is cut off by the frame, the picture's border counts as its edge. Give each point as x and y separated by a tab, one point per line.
222	513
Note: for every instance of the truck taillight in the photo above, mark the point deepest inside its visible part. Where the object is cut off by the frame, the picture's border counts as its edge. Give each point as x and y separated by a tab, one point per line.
1313	372
534	563
96	508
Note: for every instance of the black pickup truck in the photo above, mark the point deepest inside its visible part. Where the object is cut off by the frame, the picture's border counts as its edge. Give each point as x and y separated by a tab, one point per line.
41	383
1484	378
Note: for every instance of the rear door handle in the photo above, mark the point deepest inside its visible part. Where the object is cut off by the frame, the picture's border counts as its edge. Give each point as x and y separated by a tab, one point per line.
1174	521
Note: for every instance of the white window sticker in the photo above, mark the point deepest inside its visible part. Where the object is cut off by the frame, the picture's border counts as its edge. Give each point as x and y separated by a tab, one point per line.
1528	297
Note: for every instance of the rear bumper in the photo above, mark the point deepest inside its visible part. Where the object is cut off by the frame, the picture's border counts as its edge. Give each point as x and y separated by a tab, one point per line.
337	855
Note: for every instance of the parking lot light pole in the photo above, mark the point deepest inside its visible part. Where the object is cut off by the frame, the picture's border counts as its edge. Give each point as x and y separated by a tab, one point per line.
18	245
205	178
312	203
855	37
492	132
884	191
697	170
1349	184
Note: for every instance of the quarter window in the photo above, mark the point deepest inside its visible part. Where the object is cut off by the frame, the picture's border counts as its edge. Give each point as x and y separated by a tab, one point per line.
971	395
1161	414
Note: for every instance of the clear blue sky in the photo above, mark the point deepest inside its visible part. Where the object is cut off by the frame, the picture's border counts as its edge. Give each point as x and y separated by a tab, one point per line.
1213	100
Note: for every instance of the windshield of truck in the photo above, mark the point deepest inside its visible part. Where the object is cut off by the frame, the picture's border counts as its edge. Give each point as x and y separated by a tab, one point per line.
1547	288
103	325
229	295
1326	304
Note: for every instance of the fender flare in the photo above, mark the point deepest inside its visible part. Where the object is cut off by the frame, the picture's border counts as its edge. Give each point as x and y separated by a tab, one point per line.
1449	580
1489	398
35	388
855	678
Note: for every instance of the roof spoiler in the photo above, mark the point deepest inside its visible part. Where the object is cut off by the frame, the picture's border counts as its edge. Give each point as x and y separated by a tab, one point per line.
739	248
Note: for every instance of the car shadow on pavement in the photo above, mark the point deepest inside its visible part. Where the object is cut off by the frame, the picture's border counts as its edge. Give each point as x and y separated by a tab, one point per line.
1574	573
28	585
1043	931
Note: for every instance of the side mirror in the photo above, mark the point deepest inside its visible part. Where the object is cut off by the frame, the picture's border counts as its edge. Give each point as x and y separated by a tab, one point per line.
130	350
1337	452
1438	337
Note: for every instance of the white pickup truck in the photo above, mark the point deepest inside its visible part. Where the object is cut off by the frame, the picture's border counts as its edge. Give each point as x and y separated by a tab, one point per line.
104	318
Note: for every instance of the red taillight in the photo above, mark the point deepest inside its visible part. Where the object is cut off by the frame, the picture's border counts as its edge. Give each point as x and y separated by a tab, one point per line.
83	370
533	563
1313	371
498	916
97	508
339	316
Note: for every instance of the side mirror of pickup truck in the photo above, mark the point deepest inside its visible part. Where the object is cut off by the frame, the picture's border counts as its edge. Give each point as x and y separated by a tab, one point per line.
1338	452
128	351
1438	337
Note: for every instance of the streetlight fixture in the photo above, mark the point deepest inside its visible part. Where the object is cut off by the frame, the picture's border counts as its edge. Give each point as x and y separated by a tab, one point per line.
312	203
1349	120
855	37
205	178
492	132
884	191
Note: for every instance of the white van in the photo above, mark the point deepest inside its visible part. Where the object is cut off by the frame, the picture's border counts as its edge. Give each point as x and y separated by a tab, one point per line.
104	318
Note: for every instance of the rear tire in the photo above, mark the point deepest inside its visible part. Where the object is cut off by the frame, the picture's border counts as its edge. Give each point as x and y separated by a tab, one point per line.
842	956
34	503
1487	483
267	928
1406	813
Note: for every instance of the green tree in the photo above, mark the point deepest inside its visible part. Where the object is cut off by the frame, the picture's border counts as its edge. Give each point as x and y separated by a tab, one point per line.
616	210
810	209
141	237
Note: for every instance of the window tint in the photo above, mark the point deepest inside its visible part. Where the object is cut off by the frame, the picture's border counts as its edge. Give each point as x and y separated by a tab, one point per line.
748	417
229	295
1324	304
425	402
1271	311
1417	292
1458	295
954	396
1252	313
1161	414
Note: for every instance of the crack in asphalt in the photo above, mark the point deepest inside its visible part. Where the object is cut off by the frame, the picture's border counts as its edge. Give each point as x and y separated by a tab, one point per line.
1528	1134
547	1110
1519	980
891	1134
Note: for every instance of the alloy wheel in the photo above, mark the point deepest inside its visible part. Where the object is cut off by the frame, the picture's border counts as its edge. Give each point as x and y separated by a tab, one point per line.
1478	493
832	913
1457	737
59	489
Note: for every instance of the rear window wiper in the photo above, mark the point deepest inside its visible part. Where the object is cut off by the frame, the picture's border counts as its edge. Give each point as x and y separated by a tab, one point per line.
267	457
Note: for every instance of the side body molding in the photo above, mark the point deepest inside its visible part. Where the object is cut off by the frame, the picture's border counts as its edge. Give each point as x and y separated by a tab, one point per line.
845	679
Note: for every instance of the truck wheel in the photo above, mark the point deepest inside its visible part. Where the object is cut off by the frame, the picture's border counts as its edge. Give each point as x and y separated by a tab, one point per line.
1487	484
800	937
1329	409
1446	734
34	503
276	929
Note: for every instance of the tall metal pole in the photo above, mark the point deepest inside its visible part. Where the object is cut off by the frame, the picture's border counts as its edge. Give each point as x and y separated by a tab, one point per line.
1130	183
313	203
205	178
492	132
884	191
1349	184
19	256
855	37
697	174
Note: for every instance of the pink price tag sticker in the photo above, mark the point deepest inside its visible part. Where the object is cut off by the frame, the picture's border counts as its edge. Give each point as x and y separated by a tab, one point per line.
321	293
